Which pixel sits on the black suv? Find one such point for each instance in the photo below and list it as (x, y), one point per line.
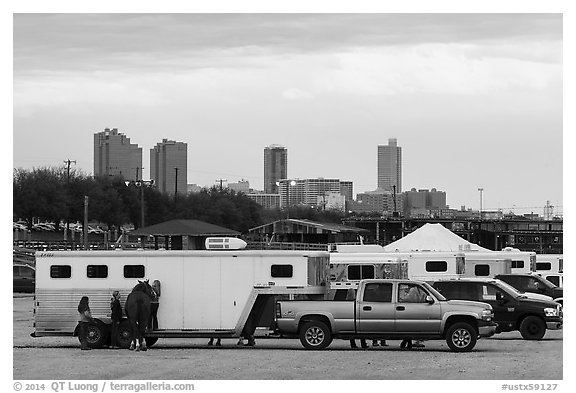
(512, 310)
(533, 283)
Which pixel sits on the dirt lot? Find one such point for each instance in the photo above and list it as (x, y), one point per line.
(502, 357)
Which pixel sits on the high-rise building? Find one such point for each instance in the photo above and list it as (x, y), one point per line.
(114, 155)
(168, 166)
(309, 191)
(390, 166)
(275, 167)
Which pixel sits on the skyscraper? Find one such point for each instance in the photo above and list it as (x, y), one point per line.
(390, 166)
(275, 167)
(168, 166)
(114, 155)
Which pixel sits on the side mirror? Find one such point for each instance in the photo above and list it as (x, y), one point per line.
(429, 299)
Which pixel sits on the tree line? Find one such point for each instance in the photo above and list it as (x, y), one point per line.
(57, 195)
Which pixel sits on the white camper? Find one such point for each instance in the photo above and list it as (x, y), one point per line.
(347, 269)
(431, 266)
(487, 264)
(204, 293)
(522, 261)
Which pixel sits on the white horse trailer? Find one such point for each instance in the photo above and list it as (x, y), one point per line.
(551, 267)
(203, 293)
(522, 261)
(487, 264)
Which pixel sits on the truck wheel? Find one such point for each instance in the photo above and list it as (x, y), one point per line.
(150, 341)
(532, 328)
(461, 337)
(315, 335)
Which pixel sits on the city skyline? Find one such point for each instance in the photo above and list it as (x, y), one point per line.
(470, 98)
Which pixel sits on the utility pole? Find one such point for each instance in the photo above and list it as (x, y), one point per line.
(175, 184)
(221, 181)
(67, 162)
(85, 222)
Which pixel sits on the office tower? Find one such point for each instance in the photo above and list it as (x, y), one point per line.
(390, 166)
(310, 192)
(114, 155)
(275, 167)
(168, 166)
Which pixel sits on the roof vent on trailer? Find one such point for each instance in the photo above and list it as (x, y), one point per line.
(224, 243)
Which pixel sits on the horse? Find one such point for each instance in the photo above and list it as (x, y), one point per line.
(137, 309)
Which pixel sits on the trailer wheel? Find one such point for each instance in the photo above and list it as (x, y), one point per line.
(532, 328)
(315, 335)
(124, 334)
(97, 333)
(150, 341)
(461, 337)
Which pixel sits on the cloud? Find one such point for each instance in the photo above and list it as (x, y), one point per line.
(296, 94)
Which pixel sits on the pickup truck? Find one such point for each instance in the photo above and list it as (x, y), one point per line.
(531, 282)
(387, 309)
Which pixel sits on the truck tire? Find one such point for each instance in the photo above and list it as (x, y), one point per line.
(532, 328)
(315, 335)
(461, 337)
(150, 341)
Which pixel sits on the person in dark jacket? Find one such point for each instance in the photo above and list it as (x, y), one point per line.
(116, 318)
(154, 304)
(85, 317)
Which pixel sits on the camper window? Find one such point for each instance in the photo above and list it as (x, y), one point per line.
(482, 270)
(281, 271)
(436, 266)
(60, 271)
(543, 266)
(97, 271)
(134, 271)
(517, 264)
(360, 272)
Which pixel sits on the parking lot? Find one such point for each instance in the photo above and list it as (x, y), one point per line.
(503, 357)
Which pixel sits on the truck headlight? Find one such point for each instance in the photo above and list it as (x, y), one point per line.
(487, 315)
(551, 312)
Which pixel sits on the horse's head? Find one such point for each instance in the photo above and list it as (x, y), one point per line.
(143, 286)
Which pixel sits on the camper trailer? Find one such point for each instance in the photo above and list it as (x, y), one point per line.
(522, 261)
(203, 293)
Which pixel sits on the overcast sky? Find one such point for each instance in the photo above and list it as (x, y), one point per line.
(474, 100)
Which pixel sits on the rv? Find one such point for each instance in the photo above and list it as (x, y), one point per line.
(226, 293)
(522, 261)
(487, 264)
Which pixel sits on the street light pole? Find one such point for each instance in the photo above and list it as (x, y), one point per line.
(175, 184)
(481, 190)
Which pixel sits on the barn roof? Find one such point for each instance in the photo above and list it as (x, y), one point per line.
(184, 228)
(322, 226)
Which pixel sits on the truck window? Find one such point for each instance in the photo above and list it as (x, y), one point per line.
(411, 293)
(360, 272)
(378, 292)
(60, 271)
(436, 266)
(482, 270)
(97, 271)
(280, 271)
(554, 280)
(517, 264)
(530, 284)
(543, 266)
(489, 292)
(134, 271)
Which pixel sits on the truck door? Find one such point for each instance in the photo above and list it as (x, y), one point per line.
(375, 310)
(413, 313)
(505, 309)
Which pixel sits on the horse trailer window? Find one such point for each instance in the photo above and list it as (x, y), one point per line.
(436, 266)
(482, 270)
(133, 271)
(60, 271)
(360, 272)
(543, 266)
(517, 264)
(281, 271)
(97, 271)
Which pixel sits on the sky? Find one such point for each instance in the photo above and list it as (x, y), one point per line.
(474, 100)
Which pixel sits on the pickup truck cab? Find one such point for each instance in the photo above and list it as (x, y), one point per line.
(512, 310)
(534, 283)
(387, 309)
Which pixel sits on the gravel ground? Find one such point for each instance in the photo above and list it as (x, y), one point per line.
(503, 357)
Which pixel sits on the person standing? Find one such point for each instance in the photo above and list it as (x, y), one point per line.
(85, 317)
(154, 304)
(116, 318)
